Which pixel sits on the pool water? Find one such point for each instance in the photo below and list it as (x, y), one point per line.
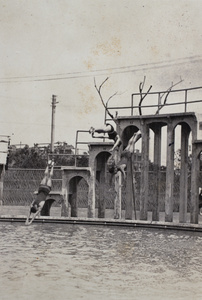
(63, 261)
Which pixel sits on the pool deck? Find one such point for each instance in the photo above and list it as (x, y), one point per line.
(19, 216)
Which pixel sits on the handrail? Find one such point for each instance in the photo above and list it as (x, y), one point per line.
(76, 144)
(132, 107)
(171, 91)
(153, 105)
(81, 143)
(185, 102)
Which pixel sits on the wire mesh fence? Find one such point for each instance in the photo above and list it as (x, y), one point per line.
(20, 185)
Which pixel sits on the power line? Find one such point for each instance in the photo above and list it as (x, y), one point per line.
(25, 123)
(100, 72)
(107, 69)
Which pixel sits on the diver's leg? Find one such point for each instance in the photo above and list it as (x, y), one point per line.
(136, 136)
(46, 173)
(49, 179)
(130, 144)
(45, 178)
(103, 129)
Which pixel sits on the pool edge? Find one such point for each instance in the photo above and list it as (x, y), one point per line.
(107, 222)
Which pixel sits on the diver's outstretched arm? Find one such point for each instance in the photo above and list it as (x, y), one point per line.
(29, 214)
(117, 144)
(27, 220)
(33, 217)
(35, 214)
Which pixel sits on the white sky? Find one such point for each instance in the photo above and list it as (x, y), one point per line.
(57, 47)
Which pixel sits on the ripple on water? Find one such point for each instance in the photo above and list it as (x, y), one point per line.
(89, 262)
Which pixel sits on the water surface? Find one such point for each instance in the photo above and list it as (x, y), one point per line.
(64, 261)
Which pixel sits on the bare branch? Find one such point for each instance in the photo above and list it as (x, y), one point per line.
(105, 104)
(141, 86)
(103, 83)
(166, 96)
(98, 90)
(112, 96)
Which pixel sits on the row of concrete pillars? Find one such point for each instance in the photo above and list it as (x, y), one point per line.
(97, 170)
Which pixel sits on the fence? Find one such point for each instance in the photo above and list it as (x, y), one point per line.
(20, 184)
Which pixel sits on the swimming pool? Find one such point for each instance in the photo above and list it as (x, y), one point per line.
(64, 261)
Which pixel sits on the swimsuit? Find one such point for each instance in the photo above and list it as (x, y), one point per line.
(43, 192)
(112, 134)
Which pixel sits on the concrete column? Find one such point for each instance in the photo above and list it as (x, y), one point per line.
(73, 197)
(169, 174)
(94, 150)
(65, 192)
(184, 173)
(118, 189)
(91, 193)
(101, 200)
(117, 200)
(157, 164)
(129, 191)
(144, 173)
(194, 209)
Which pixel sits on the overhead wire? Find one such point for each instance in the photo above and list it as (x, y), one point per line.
(106, 69)
(100, 72)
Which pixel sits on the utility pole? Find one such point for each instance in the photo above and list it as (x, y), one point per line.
(53, 122)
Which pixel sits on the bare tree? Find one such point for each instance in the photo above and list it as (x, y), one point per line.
(98, 89)
(142, 95)
(165, 96)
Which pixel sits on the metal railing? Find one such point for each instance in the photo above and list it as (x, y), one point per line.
(78, 143)
(157, 103)
(131, 107)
